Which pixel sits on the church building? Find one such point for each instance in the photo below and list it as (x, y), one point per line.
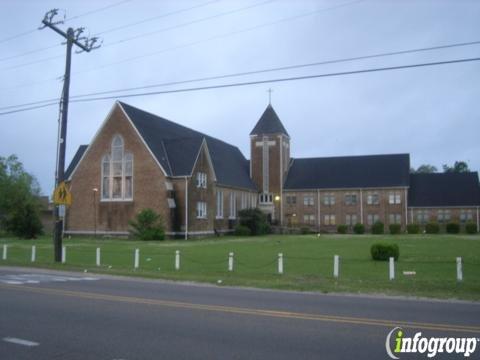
(198, 183)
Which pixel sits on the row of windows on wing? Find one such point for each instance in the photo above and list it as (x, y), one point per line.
(443, 216)
(246, 201)
(351, 219)
(349, 199)
(117, 172)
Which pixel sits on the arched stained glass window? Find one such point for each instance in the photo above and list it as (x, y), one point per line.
(117, 172)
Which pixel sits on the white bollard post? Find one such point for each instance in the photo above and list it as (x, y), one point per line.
(137, 259)
(391, 273)
(177, 259)
(230, 261)
(336, 266)
(5, 249)
(459, 269)
(98, 257)
(280, 263)
(34, 251)
(64, 254)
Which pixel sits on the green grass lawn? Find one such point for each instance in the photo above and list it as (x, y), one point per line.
(308, 262)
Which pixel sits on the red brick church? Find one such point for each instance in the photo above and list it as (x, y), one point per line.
(198, 183)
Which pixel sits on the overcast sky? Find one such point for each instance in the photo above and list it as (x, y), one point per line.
(430, 112)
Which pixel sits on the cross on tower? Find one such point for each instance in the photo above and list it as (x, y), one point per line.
(270, 96)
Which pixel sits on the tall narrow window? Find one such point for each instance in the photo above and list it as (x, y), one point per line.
(219, 204)
(117, 172)
(233, 206)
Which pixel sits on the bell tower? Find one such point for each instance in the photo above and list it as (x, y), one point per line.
(269, 160)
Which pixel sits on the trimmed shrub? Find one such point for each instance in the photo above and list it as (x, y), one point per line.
(378, 228)
(413, 228)
(432, 228)
(395, 229)
(470, 228)
(342, 229)
(359, 228)
(304, 230)
(242, 230)
(384, 251)
(255, 220)
(453, 228)
(147, 225)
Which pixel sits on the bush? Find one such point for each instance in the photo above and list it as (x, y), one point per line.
(147, 225)
(305, 230)
(255, 220)
(395, 229)
(24, 221)
(342, 229)
(432, 228)
(413, 228)
(470, 228)
(453, 228)
(384, 251)
(242, 230)
(378, 228)
(359, 228)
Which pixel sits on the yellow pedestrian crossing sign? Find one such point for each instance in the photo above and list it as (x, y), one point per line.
(61, 195)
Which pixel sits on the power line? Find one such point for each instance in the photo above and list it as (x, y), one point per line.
(175, 12)
(4, 40)
(253, 72)
(225, 13)
(217, 37)
(257, 82)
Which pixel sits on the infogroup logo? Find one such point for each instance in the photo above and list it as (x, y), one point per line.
(429, 346)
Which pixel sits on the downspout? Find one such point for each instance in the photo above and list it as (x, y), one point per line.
(478, 221)
(186, 208)
(406, 208)
(318, 210)
(361, 207)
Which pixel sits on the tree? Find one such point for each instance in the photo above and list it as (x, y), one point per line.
(424, 169)
(458, 167)
(255, 220)
(19, 199)
(147, 225)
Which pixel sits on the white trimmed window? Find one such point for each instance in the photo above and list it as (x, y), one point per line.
(329, 219)
(351, 199)
(394, 198)
(219, 204)
(291, 199)
(201, 210)
(329, 199)
(243, 204)
(394, 219)
(254, 201)
(372, 219)
(266, 198)
(423, 216)
(201, 180)
(233, 206)
(466, 215)
(350, 219)
(308, 200)
(373, 199)
(117, 172)
(443, 215)
(309, 219)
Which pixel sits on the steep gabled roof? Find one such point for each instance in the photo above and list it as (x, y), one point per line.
(269, 123)
(76, 159)
(444, 189)
(349, 172)
(175, 147)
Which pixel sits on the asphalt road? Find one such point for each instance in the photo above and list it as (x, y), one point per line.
(56, 315)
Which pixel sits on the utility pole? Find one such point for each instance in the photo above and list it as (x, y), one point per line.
(73, 37)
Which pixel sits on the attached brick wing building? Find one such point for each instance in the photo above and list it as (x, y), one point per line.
(198, 183)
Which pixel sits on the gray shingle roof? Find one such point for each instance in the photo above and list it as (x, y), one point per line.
(176, 147)
(76, 159)
(349, 172)
(444, 189)
(269, 123)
